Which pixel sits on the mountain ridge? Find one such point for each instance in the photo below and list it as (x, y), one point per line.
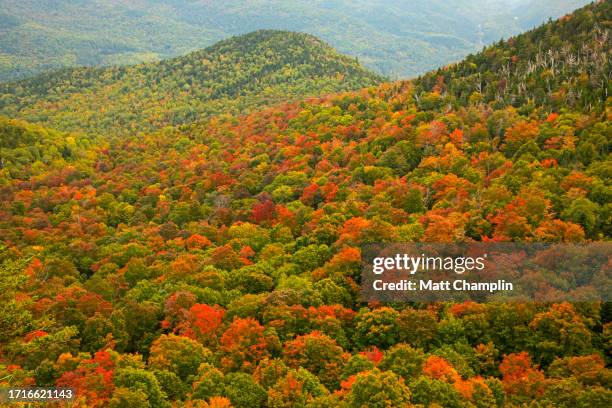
(232, 76)
(399, 38)
(543, 66)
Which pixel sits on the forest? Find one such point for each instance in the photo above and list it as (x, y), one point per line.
(233, 76)
(216, 263)
(396, 38)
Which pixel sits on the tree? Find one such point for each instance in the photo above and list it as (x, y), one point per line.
(518, 134)
(441, 229)
(520, 378)
(317, 353)
(264, 212)
(178, 354)
(417, 327)
(269, 371)
(224, 257)
(202, 323)
(584, 212)
(171, 385)
(589, 370)
(243, 391)
(244, 343)
(92, 379)
(297, 388)
(208, 383)
(44, 346)
(377, 327)
(403, 360)
(377, 388)
(177, 307)
(439, 369)
(141, 323)
(141, 380)
(356, 364)
(127, 398)
(560, 331)
(432, 392)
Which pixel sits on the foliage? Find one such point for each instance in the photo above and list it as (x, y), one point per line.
(186, 265)
(398, 40)
(235, 75)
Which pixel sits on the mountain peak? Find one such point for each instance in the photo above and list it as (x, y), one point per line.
(233, 76)
(257, 40)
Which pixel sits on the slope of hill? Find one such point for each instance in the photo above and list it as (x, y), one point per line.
(235, 75)
(219, 263)
(22, 144)
(399, 38)
(562, 64)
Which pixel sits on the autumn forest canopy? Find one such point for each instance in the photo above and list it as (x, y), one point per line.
(187, 233)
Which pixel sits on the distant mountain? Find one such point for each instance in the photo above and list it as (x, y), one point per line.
(233, 76)
(398, 38)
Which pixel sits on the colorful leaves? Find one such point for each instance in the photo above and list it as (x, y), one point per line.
(520, 377)
(244, 343)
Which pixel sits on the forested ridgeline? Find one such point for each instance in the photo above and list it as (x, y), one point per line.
(564, 64)
(240, 74)
(400, 38)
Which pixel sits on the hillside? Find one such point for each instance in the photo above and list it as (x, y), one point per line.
(26, 148)
(562, 64)
(219, 262)
(232, 76)
(399, 38)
